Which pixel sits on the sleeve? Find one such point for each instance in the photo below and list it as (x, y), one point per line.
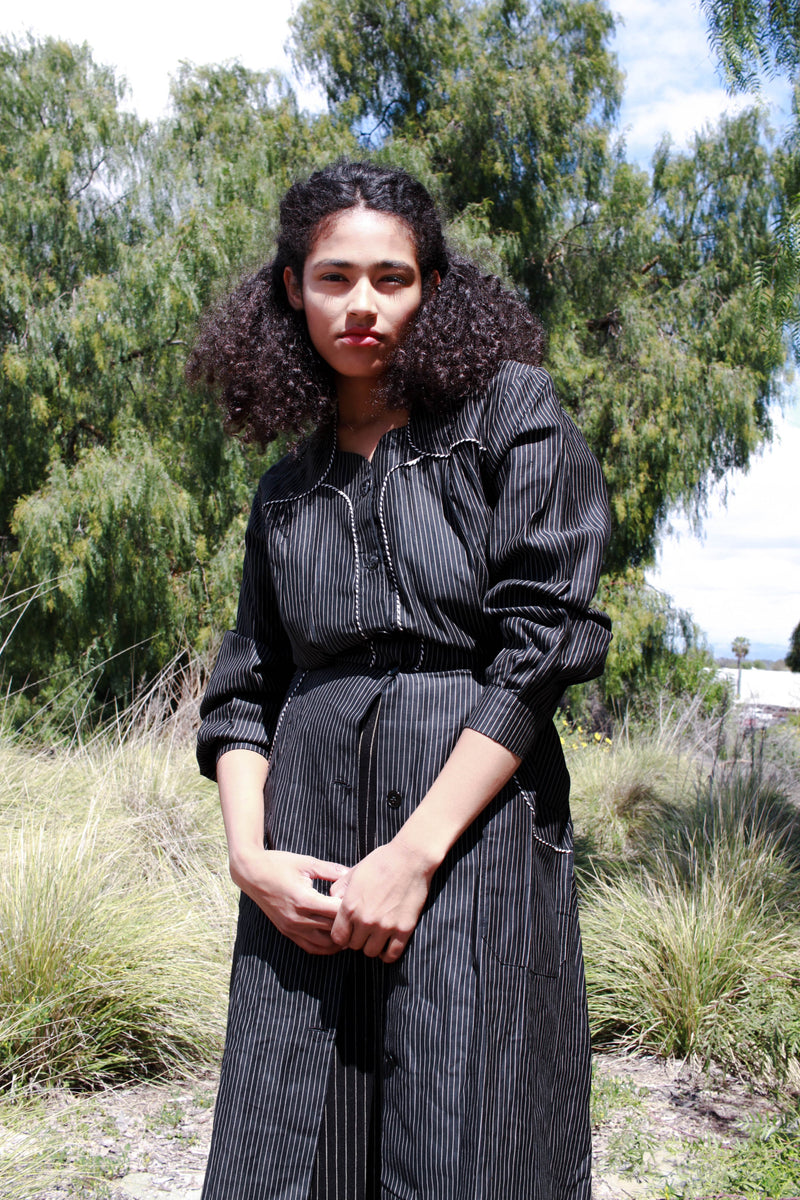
(549, 530)
(254, 666)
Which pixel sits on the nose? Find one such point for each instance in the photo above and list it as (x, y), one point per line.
(362, 299)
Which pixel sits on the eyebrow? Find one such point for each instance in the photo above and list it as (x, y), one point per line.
(386, 264)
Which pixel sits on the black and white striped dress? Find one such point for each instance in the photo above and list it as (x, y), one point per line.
(385, 606)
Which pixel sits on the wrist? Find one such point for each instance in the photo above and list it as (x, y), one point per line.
(424, 842)
(242, 856)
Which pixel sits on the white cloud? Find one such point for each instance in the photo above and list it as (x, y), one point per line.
(743, 575)
(146, 44)
(672, 82)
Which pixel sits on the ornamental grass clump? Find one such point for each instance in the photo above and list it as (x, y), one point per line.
(624, 795)
(116, 909)
(104, 974)
(693, 952)
(31, 1154)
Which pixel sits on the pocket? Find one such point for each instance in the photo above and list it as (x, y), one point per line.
(525, 887)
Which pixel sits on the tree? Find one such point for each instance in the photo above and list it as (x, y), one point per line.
(793, 654)
(757, 39)
(741, 648)
(115, 237)
(643, 284)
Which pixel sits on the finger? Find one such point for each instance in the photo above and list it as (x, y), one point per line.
(318, 907)
(321, 869)
(314, 941)
(339, 886)
(314, 920)
(375, 944)
(393, 949)
(342, 930)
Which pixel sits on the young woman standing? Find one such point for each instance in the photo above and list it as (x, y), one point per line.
(407, 1013)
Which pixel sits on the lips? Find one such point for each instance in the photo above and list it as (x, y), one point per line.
(361, 337)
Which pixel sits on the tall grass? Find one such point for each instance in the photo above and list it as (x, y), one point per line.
(692, 943)
(31, 1154)
(115, 910)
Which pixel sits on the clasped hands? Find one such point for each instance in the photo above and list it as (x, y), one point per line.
(373, 906)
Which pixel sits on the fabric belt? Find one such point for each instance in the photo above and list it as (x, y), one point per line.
(408, 655)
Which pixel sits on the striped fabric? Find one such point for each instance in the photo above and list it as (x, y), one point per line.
(445, 584)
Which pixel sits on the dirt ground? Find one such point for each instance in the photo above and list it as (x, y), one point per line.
(149, 1142)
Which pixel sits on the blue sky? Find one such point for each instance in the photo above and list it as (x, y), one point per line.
(743, 577)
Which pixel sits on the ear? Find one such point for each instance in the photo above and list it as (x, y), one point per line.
(294, 292)
(436, 279)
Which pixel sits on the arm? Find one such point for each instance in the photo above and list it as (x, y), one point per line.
(281, 884)
(240, 710)
(548, 533)
(254, 666)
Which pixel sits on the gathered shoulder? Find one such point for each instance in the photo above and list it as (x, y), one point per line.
(520, 397)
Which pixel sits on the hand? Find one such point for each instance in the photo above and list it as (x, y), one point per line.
(381, 900)
(281, 884)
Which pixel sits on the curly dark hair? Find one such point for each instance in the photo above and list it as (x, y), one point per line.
(254, 348)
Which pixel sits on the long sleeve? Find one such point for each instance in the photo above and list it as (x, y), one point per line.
(549, 530)
(254, 666)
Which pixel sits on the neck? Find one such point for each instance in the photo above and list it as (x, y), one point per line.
(363, 419)
(357, 403)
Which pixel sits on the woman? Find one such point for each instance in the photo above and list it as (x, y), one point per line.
(407, 1012)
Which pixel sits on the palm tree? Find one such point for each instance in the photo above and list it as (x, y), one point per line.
(741, 648)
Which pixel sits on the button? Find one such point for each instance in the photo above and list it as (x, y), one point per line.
(394, 799)
(366, 486)
(373, 561)
(393, 671)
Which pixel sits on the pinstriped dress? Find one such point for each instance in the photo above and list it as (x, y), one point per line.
(384, 607)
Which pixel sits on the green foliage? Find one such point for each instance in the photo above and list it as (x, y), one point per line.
(113, 539)
(757, 39)
(66, 158)
(754, 38)
(116, 236)
(31, 1156)
(657, 650)
(740, 648)
(762, 1164)
(651, 334)
(792, 659)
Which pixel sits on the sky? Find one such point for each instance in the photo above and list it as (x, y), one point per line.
(743, 577)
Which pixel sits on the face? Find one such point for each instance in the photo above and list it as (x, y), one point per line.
(361, 286)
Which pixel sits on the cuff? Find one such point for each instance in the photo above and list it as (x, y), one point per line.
(209, 756)
(506, 719)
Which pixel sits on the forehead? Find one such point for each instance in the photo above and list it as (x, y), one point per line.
(361, 235)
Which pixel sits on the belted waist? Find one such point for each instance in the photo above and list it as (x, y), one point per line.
(401, 654)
